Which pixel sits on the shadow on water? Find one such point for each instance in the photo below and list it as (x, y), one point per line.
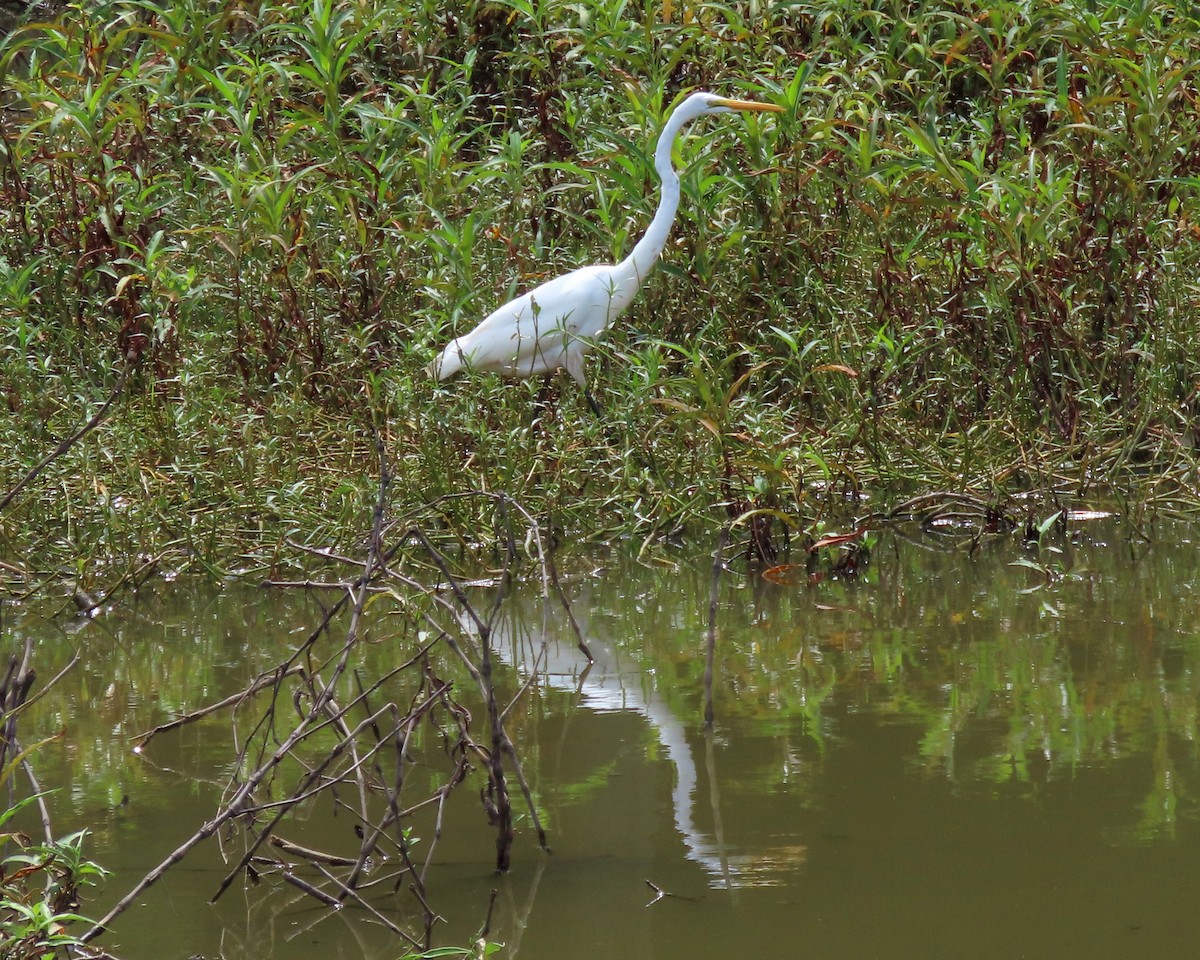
(985, 756)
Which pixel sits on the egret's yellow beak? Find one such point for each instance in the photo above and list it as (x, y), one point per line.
(750, 105)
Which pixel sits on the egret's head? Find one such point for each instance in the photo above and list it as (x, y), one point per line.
(701, 104)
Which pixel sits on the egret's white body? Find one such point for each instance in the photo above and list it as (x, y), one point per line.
(556, 323)
(546, 329)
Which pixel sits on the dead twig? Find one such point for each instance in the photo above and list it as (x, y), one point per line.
(307, 853)
(272, 679)
(660, 893)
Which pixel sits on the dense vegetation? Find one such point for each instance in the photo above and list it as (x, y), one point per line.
(962, 259)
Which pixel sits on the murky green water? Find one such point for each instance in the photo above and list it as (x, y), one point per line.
(954, 756)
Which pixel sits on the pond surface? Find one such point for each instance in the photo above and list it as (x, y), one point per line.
(959, 754)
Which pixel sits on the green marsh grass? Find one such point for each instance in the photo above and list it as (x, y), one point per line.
(963, 259)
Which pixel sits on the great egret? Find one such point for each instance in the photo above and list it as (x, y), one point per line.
(555, 324)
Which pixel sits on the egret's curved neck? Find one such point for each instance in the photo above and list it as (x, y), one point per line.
(646, 251)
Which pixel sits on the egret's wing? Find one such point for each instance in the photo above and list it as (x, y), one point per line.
(546, 328)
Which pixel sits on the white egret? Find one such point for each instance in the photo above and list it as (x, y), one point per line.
(555, 324)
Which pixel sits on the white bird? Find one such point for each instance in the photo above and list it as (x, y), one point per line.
(556, 323)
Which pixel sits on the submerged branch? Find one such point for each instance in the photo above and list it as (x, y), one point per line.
(344, 735)
(272, 679)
